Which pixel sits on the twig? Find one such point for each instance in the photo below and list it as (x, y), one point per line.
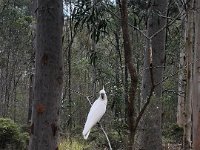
(146, 36)
(106, 136)
(154, 85)
(89, 100)
(143, 108)
(170, 23)
(179, 93)
(115, 15)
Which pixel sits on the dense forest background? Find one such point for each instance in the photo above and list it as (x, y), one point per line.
(144, 52)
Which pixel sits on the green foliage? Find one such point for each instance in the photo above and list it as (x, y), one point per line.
(15, 50)
(173, 134)
(97, 140)
(98, 19)
(10, 134)
(93, 16)
(74, 144)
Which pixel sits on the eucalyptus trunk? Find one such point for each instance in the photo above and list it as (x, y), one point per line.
(189, 36)
(133, 75)
(30, 99)
(48, 77)
(196, 84)
(32, 62)
(181, 81)
(149, 133)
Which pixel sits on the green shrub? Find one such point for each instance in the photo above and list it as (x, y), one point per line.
(173, 134)
(74, 144)
(11, 136)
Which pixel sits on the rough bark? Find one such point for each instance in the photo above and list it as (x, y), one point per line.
(117, 102)
(93, 56)
(48, 77)
(196, 84)
(7, 86)
(70, 78)
(132, 72)
(32, 58)
(30, 99)
(1, 93)
(196, 137)
(187, 125)
(118, 69)
(181, 83)
(150, 125)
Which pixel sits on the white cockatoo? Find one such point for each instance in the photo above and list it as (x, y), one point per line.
(96, 112)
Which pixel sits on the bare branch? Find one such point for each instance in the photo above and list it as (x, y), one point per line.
(151, 91)
(170, 23)
(115, 15)
(146, 36)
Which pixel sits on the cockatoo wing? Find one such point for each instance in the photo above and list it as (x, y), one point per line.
(96, 112)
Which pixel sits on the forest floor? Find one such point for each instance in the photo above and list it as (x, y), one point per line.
(169, 146)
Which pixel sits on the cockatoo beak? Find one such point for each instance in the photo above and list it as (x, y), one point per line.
(102, 95)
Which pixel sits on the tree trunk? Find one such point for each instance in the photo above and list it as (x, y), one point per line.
(70, 77)
(32, 58)
(30, 99)
(93, 55)
(7, 83)
(48, 77)
(196, 84)
(149, 133)
(181, 82)
(117, 102)
(187, 125)
(196, 136)
(132, 71)
(1, 93)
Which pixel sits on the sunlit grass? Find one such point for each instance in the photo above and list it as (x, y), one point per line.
(66, 144)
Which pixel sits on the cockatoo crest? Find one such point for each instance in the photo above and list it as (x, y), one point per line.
(96, 112)
(102, 94)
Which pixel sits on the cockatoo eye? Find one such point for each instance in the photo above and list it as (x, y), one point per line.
(102, 95)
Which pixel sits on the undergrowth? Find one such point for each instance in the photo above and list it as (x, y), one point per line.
(73, 144)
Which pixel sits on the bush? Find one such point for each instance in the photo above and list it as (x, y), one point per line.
(11, 136)
(173, 134)
(74, 144)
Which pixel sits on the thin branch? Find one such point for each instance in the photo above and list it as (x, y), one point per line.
(179, 93)
(148, 99)
(166, 78)
(115, 15)
(144, 107)
(106, 136)
(146, 36)
(6, 4)
(89, 100)
(170, 23)
(179, 8)
(151, 92)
